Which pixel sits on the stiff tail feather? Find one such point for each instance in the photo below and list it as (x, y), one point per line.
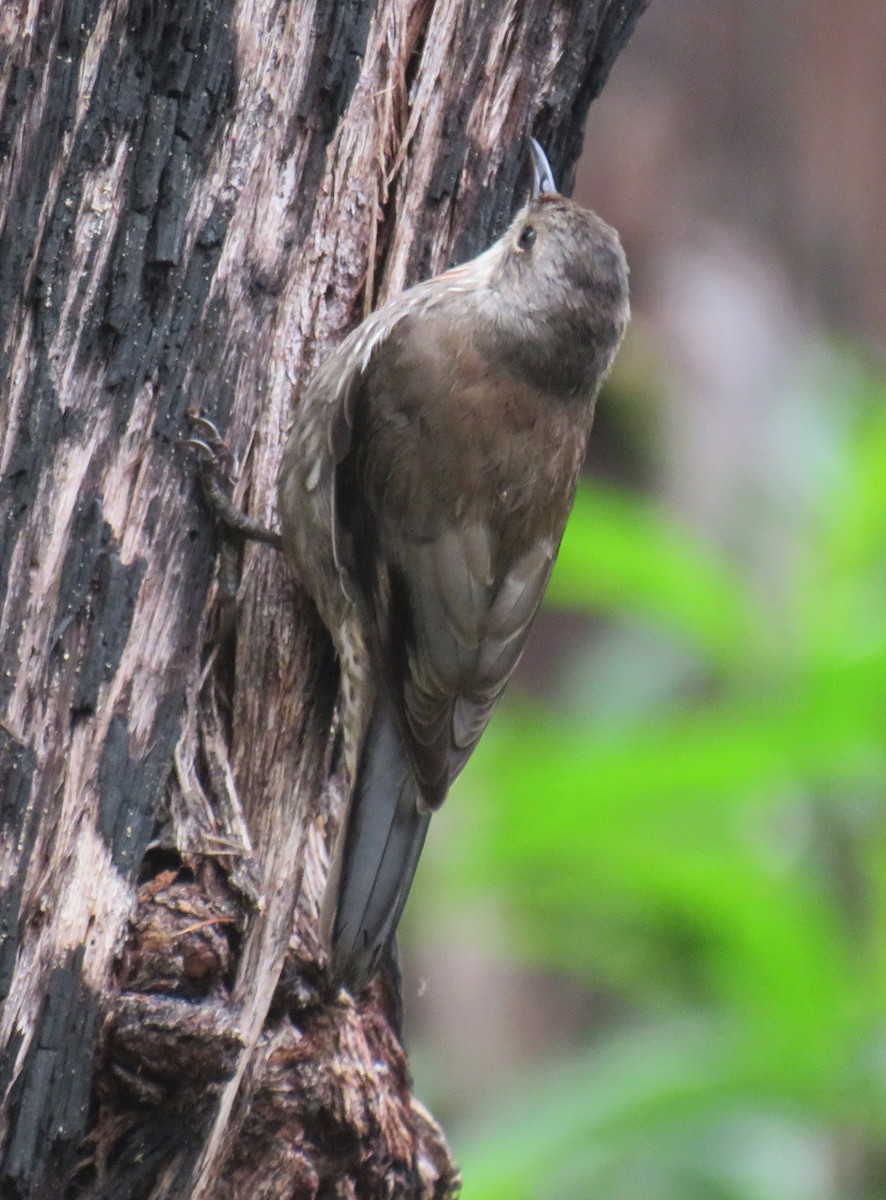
(377, 855)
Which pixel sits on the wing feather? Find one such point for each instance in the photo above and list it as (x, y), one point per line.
(447, 589)
(466, 637)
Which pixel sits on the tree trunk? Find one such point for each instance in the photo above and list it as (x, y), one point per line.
(197, 200)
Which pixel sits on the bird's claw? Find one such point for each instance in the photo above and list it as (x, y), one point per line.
(217, 473)
(208, 428)
(205, 451)
(215, 454)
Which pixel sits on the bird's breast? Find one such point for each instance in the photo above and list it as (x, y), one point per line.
(450, 436)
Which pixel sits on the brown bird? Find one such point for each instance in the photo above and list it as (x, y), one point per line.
(423, 493)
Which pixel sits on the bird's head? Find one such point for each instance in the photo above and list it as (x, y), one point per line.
(558, 287)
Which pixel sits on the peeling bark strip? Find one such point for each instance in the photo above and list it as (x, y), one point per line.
(196, 200)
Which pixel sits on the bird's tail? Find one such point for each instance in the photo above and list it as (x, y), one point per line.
(377, 854)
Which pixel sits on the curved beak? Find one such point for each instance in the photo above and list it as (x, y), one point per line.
(542, 175)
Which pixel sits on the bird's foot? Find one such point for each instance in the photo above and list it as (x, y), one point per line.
(217, 475)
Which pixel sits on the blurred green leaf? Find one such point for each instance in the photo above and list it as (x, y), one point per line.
(841, 590)
(659, 1111)
(620, 553)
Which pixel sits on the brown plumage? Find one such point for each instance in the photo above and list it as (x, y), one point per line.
(423, 494)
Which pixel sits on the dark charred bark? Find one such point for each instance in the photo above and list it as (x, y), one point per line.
(196, 200)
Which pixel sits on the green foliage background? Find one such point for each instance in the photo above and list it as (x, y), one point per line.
(698, 827)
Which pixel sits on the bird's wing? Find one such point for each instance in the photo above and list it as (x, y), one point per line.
(465, 631)
(447, 598)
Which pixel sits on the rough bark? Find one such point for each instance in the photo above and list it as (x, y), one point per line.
(196, 200)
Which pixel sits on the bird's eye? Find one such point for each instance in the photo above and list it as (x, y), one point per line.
(526, 240)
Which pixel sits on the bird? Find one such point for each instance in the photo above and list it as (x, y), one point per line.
(422, 495)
